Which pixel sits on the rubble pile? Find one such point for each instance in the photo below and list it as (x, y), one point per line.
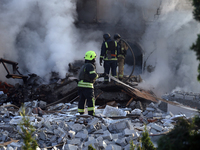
(186, 98)
(122, 113)
(35, 89)
(61, 127)
(65, 90)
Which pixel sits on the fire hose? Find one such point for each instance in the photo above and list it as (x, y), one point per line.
(132, 60)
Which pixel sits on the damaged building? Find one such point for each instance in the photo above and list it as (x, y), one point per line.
(123, 109)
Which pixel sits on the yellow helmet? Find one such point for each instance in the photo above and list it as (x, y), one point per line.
(90, 55)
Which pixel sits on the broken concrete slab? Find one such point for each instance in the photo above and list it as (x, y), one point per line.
(110, 111)
(119, 126)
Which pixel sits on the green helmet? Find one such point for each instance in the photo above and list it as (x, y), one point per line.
(90, 55)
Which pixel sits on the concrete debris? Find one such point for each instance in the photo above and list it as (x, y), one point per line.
(186, 98)
(122, 113)
(66, 130)
(110, 111)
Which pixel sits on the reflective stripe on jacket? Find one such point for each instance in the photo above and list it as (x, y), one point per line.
(87, 76)
(109, 50)
(85, 84)
(113, 55)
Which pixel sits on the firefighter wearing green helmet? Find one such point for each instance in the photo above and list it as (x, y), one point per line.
(87, 77)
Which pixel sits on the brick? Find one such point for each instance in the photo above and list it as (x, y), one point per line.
(121, 142)
(54, 144)
(150, 109)
(53, 138)
(42, 135)
(64, 126)
(113, 147)
(61, 130)
(163, 106)
(62, 138)
(115, 136)
(120, 126)
(178, 96)
(127, 147)
(128, 132)
(13, 144)
(10, 148)
(82, 134)
(153, 131)
(100, 138)
(156, 126)
(90, 138)
(102, 144)
(107, 135)
(99, 131)
(103, 127)
(94, 143)
(71, 134)
(110, 111)
(57, 132)
(157, 115)
(77, 127)
(47, 124)
(145, 112)
(189, 97)
(70, 147)
(94, 121)
(150, 115)
(76, 141)
(136, 111)
(91, 128)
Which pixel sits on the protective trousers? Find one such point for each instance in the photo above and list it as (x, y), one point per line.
(86, 95)
(110, 65)
(120, 68)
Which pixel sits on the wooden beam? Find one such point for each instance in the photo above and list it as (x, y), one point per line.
(129, 101)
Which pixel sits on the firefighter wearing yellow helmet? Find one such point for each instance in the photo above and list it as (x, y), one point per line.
(87, 77)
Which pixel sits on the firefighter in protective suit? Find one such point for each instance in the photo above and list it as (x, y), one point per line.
(109, 53)
(122, 46)
(87, 77)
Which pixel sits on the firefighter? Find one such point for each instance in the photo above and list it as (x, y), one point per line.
(87, 77)
(122, 46)
(109, 53)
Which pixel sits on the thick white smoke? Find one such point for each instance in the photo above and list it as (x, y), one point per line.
(170, 37)
(41, 36)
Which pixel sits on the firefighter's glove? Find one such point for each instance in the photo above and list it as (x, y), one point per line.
(100, 61)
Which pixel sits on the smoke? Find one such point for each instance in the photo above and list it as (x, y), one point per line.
(167, 41)
(41, 36)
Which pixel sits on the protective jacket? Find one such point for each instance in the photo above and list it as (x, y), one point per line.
(109, 50)
(87, 75)
(122, 46)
